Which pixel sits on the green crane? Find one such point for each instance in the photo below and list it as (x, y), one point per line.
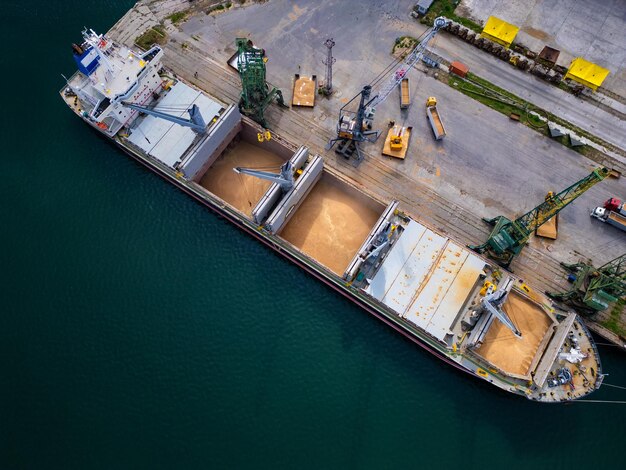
(256, 94)
(594, 289)
(509, 237)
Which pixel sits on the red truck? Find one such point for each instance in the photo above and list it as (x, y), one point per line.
(615, 205)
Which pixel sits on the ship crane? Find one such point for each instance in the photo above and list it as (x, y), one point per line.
(492, 303)
(196, 122)
(355, 127)
(284, 179)
(509, 236)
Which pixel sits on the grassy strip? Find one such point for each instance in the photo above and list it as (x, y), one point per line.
(404, 42)
(155, 35)
(446, 8)
(473, 91)
(178, 17)
(221, 7)
(613, 323)
(550, 116)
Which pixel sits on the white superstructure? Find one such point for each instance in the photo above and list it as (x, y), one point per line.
(109, 74)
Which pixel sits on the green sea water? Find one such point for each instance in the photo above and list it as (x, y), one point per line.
(139, 330)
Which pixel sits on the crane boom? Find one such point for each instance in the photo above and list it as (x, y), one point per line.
(492, 304)
(552, 205)
(195, 122)
(409, 62)
(355, 127)
(509, 237)
(285, 179)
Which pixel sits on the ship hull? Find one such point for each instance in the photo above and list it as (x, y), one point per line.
(289, 256)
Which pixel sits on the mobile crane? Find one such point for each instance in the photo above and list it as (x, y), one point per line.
(594, 289)
(256, 93)
(508, 237)
(354, 127)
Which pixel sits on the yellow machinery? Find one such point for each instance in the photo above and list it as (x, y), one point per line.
(431, 101)
(397, 141)
(264, 136)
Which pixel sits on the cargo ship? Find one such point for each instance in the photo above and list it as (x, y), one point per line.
(455, 304)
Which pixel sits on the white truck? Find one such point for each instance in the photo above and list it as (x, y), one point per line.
(610, 217)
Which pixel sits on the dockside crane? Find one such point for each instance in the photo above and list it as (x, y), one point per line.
(256, 93)
(594, 289)
(355, 126)
(508, 237)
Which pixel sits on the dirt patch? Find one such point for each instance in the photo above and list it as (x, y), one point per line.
(538, 34)
(241, 191)
(332, 223)
(503, 349)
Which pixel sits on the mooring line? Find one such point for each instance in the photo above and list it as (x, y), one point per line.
(614, 386)
(600, 401)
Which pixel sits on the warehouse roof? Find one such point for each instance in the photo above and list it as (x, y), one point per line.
(587, 73)
(500, 31)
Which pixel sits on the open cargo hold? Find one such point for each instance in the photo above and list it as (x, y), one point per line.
(243, 150)
(329, 220)
(332, 223)
(513, 355)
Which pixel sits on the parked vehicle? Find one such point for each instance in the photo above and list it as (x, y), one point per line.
(434, 118)
(615, 205)
(612, 218)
